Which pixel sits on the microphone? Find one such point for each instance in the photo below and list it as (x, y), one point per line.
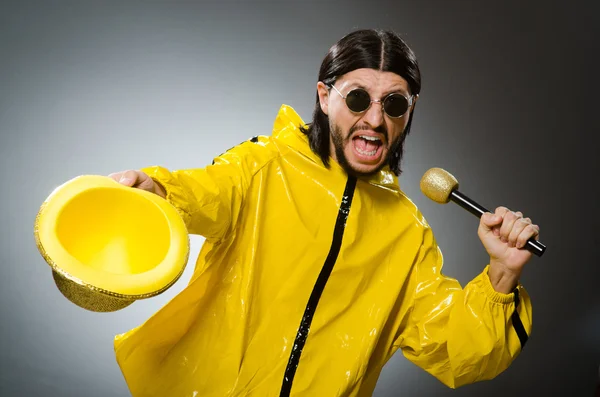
(441, 186)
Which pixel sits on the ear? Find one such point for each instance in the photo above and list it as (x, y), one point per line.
(415, 99)
(323, 93)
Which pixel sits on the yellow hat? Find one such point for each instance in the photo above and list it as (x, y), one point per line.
(109, 244)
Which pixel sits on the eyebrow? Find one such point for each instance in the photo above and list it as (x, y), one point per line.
(400, 90)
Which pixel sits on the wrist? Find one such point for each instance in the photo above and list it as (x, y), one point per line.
(503, 280)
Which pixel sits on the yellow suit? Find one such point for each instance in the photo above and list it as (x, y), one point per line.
(308, 282)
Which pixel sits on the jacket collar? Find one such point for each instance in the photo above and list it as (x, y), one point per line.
(286, 129)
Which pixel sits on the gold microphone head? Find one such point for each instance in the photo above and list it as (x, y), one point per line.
(438, 184)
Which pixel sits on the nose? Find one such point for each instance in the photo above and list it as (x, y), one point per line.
(374, 115)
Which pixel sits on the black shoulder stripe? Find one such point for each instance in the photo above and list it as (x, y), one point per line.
(254, 139)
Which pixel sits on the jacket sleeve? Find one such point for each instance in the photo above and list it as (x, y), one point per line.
(461, 336)
(209, 199)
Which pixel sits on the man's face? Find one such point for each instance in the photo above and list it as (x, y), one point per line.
(361, 142)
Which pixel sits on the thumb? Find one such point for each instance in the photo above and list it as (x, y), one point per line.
(488, 221)
(129, 178)
(144, 182)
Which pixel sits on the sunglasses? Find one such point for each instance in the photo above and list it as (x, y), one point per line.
(358, 100)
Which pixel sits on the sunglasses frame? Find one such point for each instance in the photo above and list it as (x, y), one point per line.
(410, 101)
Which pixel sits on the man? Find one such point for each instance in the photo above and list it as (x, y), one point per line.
(316, 267)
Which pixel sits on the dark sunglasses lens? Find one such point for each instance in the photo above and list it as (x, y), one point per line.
(395, 105)
(358, 100)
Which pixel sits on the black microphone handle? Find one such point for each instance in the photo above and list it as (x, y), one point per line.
(532, 245)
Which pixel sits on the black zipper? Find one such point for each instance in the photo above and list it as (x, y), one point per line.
(311, 306)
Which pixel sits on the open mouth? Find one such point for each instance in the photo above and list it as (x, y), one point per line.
(367, 148)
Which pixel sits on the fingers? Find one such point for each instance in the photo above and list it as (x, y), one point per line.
(514, 229)
(127, 178)
(508, 223)
(528, 232)
(499, 215)
(134, 178)
(518, 226)
(116, 176)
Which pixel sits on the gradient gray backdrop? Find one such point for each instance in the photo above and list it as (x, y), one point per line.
(508, 96)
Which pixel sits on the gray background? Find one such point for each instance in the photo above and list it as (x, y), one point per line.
(509, 91)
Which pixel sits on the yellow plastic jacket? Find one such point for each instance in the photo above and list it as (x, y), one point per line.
(308, 281)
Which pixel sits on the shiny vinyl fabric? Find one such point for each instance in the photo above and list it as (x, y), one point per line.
(308, 282)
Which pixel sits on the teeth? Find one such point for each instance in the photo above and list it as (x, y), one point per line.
(370, 138)
(371, 153)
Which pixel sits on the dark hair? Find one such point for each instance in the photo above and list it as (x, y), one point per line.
(373, 49)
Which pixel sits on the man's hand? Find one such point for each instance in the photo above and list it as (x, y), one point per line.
(139, 180)
(504, 235)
